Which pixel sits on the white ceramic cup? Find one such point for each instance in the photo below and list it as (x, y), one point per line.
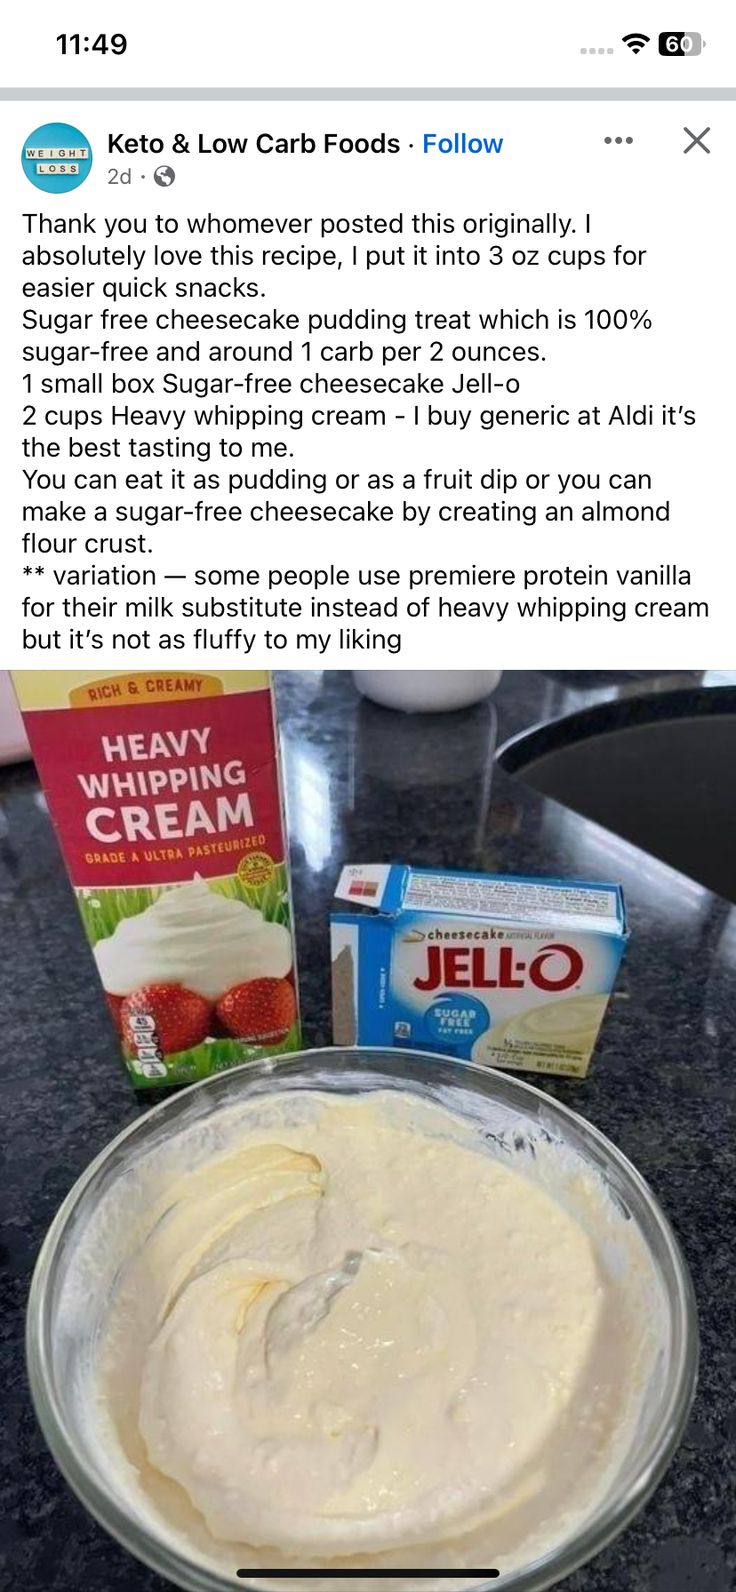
(426, 690)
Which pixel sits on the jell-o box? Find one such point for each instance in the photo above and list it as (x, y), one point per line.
(505, 972)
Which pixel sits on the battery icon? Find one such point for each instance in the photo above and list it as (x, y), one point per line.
(676, 43)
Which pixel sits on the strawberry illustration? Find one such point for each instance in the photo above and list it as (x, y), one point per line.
(179, 1018)
(262, 1010)
(115, 1003)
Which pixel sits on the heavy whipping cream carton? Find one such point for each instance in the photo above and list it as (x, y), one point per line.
(165, 793)
(502, 971)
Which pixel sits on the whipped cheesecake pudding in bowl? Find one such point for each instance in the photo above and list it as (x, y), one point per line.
(354, 1312)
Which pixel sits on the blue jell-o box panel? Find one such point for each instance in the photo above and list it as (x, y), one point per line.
(502, 971)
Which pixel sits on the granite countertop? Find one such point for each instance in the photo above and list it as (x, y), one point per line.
(364, 784)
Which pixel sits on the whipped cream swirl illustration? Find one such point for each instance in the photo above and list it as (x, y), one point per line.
(197, 937)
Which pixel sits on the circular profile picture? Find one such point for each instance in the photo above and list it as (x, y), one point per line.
(56, 158)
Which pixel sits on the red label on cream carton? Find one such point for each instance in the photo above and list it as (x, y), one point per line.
(505, 972)
(166, 797)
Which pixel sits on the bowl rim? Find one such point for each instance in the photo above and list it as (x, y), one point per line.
(161, 1554)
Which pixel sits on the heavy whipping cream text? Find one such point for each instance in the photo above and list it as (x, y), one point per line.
(156, 819)
(504, 972)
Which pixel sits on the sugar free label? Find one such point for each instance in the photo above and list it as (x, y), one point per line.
(457, 1020)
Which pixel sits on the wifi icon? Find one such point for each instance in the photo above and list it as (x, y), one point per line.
(635, 41)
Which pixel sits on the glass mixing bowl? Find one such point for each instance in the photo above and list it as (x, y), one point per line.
(518, 1120)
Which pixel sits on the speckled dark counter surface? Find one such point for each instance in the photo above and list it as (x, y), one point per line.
(365, 785)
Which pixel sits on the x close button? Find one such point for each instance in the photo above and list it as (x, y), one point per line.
(696, 141)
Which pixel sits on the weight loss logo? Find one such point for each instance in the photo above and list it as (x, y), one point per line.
(56, 158)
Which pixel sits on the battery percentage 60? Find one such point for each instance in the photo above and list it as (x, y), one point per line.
(675, 43)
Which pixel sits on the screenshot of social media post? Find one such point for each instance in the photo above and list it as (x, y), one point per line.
(313, 383)
(367, 759)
